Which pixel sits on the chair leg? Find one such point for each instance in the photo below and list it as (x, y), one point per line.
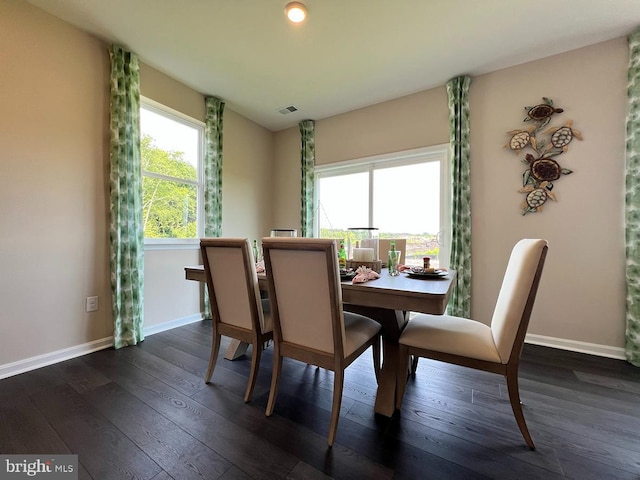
(516, 405)
(275, 381)
(338, 385)
(403, 366)
(414, 364)
(253, 374)
(376, 358)
(215, 348)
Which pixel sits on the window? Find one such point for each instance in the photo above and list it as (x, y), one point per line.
(171, 156)
(404, 195)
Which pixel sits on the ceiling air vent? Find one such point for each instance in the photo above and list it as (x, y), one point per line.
(289, 109)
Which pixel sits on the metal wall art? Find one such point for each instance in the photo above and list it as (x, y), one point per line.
(542, 167)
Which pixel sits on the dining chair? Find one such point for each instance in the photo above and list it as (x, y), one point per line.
(384, 245)
(492, 348)
(236, 307)
(309, 323)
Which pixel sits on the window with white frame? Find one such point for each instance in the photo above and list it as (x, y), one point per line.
(172, 189)
(404, 194)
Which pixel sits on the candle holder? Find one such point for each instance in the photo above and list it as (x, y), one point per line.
(363, 248)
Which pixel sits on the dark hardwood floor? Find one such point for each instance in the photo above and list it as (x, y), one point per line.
(145, 412)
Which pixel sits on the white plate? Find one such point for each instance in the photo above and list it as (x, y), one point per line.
(436, 274)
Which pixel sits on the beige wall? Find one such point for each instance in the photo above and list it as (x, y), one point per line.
(54, 167)
(54, 151)
(582, 294)
(406, 123)
(53, 184)
(246, 198)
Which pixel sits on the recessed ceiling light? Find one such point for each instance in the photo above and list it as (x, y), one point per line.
(296, 12)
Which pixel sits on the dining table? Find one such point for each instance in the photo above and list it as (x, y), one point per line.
(389, 300)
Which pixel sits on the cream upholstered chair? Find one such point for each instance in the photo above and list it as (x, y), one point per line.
(309, 324)
(495, 348)
(384, 245)
(236, 307)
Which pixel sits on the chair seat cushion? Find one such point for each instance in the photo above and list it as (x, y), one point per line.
(448, 334)
(358, 331)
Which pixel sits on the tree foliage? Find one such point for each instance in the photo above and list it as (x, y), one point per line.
(169, 207)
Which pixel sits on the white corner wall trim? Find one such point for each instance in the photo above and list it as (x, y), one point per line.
(28, 364)
(576, 346)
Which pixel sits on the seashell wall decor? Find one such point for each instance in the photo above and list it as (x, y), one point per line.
(542, 166)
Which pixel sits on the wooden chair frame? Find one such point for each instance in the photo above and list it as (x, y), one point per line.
(254, 336)
(336, 361)
(509, 370)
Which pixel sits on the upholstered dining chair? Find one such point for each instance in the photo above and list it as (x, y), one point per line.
(384, 245)
(236, 307)
(493, 348)
(309, 323)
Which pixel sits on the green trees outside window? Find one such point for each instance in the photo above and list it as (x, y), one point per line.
(169, 193)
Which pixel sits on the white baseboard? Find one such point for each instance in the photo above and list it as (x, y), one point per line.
(179, 322)
(576, 346)
(28, 364)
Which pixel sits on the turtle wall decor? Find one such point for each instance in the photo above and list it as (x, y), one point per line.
(542, 166)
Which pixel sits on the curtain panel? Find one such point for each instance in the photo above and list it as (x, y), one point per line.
(125, 190)
(214, 109)
(632, 204)
(460, 260)
(307, 160)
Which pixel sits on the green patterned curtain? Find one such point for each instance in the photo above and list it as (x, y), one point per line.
(125, 187)
(460, 260)
(214, 108)
(632, 204)
(307, 160)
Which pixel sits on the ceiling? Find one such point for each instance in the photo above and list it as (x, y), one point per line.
(348, 54)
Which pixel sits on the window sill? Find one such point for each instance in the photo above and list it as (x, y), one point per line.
(172, 244)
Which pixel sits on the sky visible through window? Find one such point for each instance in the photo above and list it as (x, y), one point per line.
(406, 199)
(170, 135)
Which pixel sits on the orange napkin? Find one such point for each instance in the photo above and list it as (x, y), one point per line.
(364, 274)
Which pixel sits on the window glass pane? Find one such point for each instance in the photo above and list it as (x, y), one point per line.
(169, 208)
(169, 147)
(406, 204)
(343, 202)
(170, 156)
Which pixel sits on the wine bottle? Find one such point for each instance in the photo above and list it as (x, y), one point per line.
(256, 251)
(342, 257)
(393, 260)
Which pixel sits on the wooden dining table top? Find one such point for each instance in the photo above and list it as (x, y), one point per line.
(401, 292)
(388, 300)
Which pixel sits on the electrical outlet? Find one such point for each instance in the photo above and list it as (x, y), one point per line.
(91, 304)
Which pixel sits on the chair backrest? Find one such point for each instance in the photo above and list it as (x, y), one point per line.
(232, 282)
(305, 292)
(517, 294)
(384, 245)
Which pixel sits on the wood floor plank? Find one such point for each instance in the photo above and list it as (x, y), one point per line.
(159, 368)
(79, 376)
(253, 455)
(195, 348)
(177, 452)
(145, 412)
(295, 437)
(24, 430)
(104, 450)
